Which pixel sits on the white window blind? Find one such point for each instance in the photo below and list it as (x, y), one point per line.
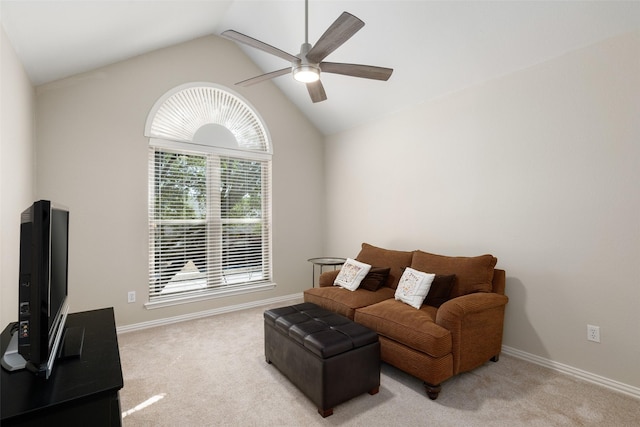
(209, 196)
(209, 218)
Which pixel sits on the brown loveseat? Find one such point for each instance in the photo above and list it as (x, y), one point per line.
(458, 327)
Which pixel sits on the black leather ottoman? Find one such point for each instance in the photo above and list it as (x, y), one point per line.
(330, 358)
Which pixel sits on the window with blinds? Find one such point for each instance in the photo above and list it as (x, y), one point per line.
(209, 196)
(209, 224)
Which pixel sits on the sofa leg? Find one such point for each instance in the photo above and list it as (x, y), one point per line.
(432, 390)
(495, 358)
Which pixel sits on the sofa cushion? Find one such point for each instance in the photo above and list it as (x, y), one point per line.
(440, 290)
(345, 302)
(402, 323)
(473, 274)
(351, 274)
(413, 287)
(375, 278)
(395, 260)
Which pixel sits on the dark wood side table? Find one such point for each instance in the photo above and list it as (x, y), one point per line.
(322, 261)
(80, 391)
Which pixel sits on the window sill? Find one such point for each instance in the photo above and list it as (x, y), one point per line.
(169, 301)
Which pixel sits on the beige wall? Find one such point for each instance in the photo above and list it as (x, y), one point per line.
(92, 157)
(540, 168)
(17, 183)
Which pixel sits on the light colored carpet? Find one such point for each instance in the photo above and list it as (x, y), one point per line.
(212, 372)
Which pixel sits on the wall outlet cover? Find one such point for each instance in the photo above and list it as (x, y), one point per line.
(593, 333)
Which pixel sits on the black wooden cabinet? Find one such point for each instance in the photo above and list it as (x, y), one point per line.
(80, 391)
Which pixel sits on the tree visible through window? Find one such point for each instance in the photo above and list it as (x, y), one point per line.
(209, 217)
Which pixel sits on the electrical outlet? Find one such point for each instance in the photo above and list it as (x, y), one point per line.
(131, 296)
(593, 333)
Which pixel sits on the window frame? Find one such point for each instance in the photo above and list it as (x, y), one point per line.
(212, 152)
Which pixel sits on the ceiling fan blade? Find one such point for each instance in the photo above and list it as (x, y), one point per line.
(357, 70)
(250, 41)
(316, 91)
(339, 32)
(264, 77)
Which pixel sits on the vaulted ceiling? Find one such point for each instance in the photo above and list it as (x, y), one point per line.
(434, 47)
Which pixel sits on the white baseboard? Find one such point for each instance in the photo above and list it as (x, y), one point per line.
(207, 313)
(574, 372)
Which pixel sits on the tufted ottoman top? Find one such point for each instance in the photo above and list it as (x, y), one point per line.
(321, 331)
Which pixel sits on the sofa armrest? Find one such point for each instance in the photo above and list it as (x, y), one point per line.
(327, 278)
(476, 324)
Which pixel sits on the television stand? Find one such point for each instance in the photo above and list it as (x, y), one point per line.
(11, 359)
(82, 386)
(72, 342)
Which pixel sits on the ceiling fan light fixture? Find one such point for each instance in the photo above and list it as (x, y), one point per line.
(306, 73)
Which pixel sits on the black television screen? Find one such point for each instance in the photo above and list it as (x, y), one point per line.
(43, 284)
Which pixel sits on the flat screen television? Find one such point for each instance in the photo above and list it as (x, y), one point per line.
(43, 285)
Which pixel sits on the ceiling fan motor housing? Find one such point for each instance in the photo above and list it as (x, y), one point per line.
(303, 70)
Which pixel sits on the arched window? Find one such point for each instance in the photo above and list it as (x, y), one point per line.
(209, 196)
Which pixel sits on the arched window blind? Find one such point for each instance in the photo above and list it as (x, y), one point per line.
(209, 196)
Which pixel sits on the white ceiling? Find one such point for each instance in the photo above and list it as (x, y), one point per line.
(435, 47)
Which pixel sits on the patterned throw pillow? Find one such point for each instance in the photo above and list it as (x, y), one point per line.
(413, 287)
(351, 274)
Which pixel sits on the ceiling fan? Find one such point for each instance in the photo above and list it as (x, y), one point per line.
(308, 64)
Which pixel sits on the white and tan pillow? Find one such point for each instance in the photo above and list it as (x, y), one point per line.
(351, 274)
(413, 287)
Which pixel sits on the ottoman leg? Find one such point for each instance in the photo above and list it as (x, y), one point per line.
(325, 412)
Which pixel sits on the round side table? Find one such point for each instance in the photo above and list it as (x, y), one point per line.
(322, 261)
